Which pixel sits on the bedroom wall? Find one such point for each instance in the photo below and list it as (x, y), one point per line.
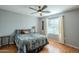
(71, 27)
(10, 21)
(40, 26)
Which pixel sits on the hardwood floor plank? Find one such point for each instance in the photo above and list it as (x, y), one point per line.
(52, 47)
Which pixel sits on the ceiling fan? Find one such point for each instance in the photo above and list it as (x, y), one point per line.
(40, 10)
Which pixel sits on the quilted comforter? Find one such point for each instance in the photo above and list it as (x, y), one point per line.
(29, 42)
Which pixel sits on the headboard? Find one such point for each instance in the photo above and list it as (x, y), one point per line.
(23, 31)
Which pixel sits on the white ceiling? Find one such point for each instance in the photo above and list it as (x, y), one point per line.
(24, 9)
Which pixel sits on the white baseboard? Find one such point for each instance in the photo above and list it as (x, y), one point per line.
(72, 45)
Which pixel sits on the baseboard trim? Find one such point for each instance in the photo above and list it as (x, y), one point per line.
(71, 45)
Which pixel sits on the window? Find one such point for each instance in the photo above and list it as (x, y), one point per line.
(42, 25)
(53, 26)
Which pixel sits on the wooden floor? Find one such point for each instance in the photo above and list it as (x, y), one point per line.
(52, 47)
(55, 47)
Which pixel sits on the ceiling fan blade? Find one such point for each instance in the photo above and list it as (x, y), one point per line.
(32, 8)
(33, 12)
(46, 11)
(44, 7)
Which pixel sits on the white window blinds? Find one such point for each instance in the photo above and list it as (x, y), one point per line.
(53, 26)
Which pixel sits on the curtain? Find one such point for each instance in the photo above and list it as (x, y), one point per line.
(61, 29)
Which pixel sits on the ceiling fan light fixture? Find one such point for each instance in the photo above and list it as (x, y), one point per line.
(39, 12)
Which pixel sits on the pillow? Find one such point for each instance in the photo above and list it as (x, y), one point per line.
(26, 32)
(23, 31)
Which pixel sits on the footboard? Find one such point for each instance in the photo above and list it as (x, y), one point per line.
(36, 49)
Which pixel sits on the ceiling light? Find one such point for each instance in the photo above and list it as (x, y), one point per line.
(40, 13)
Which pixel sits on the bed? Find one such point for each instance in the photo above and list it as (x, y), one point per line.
(28, 42)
